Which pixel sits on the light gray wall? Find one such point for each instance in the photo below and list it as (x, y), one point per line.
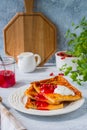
(61, 12)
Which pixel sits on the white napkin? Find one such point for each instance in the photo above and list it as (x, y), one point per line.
(8, 121)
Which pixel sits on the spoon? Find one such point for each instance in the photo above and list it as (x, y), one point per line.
(2, 62)
(0, 99)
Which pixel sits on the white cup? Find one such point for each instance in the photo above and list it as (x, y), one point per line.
(68, 60)
(27, 61)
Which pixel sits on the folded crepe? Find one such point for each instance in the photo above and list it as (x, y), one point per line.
(42, 95)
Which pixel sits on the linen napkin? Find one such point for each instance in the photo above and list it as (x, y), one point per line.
(8, 121)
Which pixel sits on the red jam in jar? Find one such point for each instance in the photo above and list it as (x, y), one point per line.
(7, 78)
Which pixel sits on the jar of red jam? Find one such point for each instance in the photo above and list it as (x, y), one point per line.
(7, 72)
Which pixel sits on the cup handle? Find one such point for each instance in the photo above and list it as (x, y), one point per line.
(38, 59)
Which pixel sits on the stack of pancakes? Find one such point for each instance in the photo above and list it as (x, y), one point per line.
(41, 95)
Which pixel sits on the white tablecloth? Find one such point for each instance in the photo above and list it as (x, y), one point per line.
(76, 120)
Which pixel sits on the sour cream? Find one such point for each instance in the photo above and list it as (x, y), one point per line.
(63, 90)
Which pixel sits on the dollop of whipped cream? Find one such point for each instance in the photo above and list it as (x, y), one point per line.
(63, 90)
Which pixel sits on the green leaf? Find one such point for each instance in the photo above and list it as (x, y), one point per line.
(74, 35)
(74, 61)
(63, 67)
(70, 42)
(68, 70)
(79, 82)
(77, 27)
(73, 23)
(67, 33)
(74, 76)
(84, 77)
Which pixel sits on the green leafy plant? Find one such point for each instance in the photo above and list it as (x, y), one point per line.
(77, 43)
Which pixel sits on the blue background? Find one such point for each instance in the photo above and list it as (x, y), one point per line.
(61, 12)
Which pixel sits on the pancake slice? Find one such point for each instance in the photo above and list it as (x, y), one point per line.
(39, 105)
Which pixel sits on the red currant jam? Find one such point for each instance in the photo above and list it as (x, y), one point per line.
(41, 105)
(47, 88)
(61, 74)
(52, 74)
(63, 55)
(40, 97)
(7, 78)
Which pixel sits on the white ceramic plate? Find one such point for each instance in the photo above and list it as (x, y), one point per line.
(17, 101)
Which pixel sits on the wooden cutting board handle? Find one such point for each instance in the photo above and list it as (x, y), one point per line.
(29, 5)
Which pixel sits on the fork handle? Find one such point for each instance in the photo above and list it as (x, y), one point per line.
(11, 117)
